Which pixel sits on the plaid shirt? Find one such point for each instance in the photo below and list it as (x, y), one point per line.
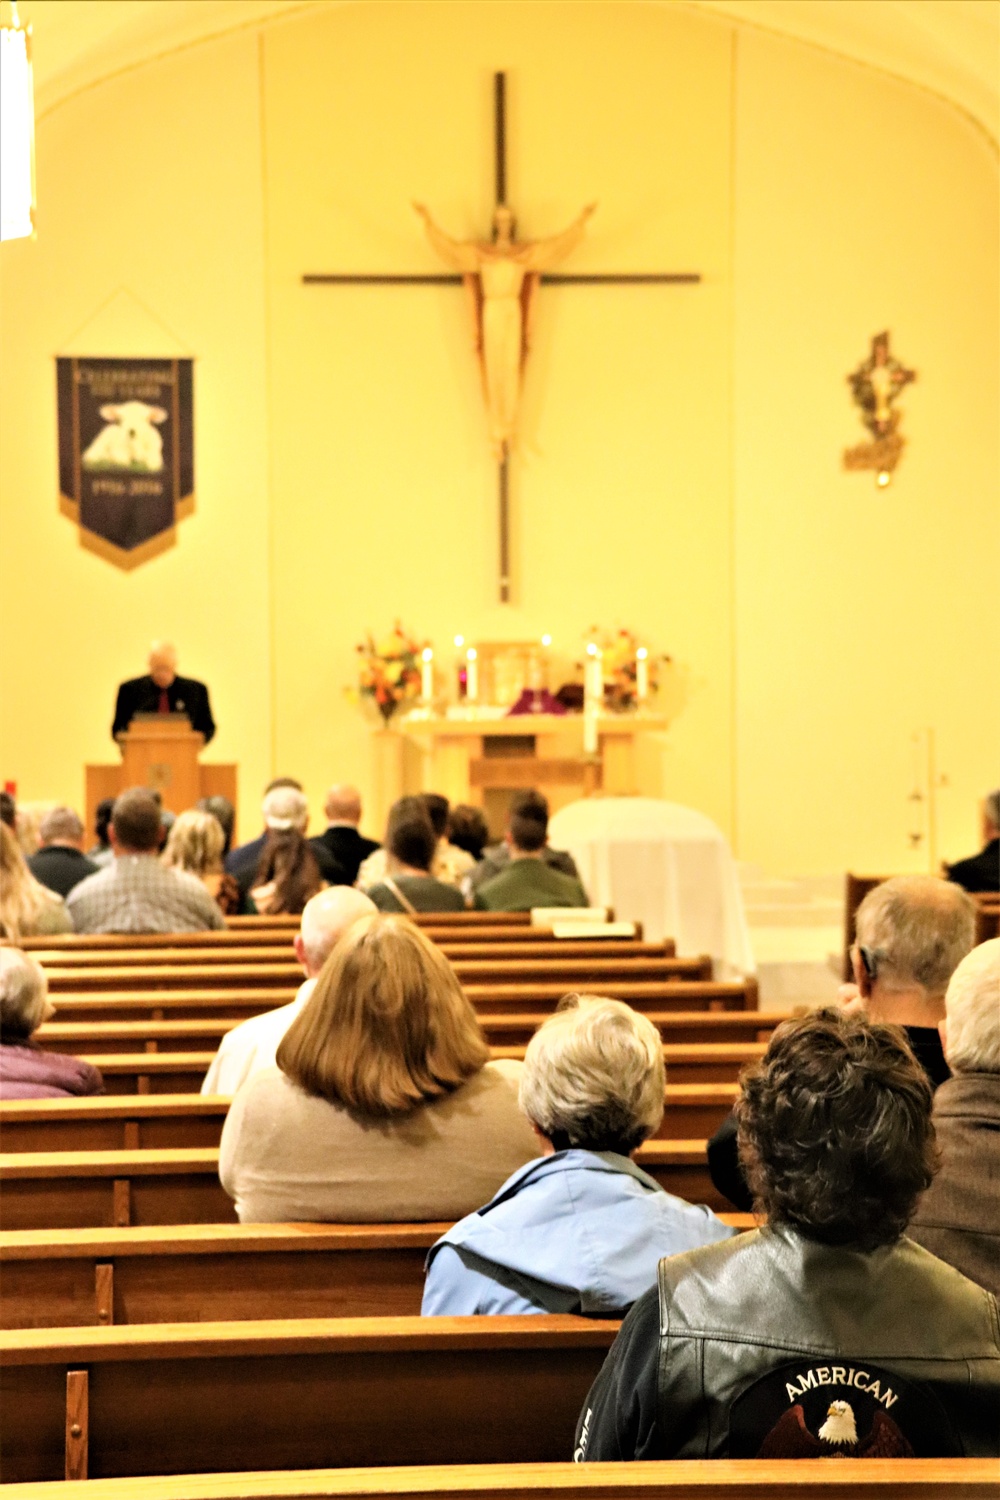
(138, 894)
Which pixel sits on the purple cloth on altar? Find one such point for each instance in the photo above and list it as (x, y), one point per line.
(536, 701)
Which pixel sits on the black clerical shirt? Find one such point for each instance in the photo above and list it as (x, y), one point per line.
(140, 695)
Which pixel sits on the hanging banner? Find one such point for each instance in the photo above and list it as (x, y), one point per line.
(126, 453)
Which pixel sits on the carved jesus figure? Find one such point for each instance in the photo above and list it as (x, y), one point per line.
(502, 275)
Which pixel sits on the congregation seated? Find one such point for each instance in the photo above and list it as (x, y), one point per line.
(582, 1228)
(60, 862)
(981, 872)
(958, 1218)
(288, 872)
(827, 1331)
(342, 841)
(449, 864)
(243, 862)
(383, 1104)
(136, 893)
(911, 934)
(528, 879)
(26, 1071)
(26, 906)
(496, 857)
(195, 843)
(101, 853)
(410, 844)
(224, 813)
(254, 1044)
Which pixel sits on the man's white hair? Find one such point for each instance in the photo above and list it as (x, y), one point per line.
(593, 1073)
(917, 930)
(24, 992)
(327, 917)
(972, 1012)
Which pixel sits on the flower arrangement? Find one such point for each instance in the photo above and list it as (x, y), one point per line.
(389, 672)
(620, 659)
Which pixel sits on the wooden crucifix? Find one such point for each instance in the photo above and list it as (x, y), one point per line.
(502, 275)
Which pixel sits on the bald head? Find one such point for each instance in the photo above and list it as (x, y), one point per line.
(343, 805)
(162, 663)
(324, 921)
(916, 930)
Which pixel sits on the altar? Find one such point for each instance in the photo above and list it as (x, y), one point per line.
(481, 758)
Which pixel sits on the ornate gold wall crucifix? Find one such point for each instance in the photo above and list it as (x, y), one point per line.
(502, 274)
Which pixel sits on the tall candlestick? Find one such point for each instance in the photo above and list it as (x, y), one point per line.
(642, 674)
(471, 675)
(590, 729)
(427, 674)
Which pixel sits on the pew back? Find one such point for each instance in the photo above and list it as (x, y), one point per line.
(192, 1398)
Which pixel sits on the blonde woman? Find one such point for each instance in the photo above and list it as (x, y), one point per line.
(26, 906)
(582, 1228)
(195, 844)
(383, 1105)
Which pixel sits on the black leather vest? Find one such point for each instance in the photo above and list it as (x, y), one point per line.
(772, 1345)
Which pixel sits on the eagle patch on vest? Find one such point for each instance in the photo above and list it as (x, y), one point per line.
(847, 1410)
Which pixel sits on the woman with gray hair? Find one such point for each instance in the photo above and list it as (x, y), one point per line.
(26, 1072)
(580, 1229)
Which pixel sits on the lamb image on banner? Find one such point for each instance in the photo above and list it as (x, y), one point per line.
(126, 452)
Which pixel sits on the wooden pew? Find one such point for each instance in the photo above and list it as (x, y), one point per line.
(68, 1278)
(533, 999)
(153, 1073)
(422, 919)
(538, 948)
(193, 1397)
(570, 971)
(721, 1479)
(205, 1032)
(165, 1121)
(95, 1189)
(266, 937)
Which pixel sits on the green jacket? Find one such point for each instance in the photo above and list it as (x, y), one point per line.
(526, 883)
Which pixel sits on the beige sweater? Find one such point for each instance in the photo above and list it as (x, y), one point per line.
(287, 1155)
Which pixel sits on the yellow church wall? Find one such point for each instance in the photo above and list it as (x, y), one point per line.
(862, 615)
(150, 241)
(384, 486)
(680, 465)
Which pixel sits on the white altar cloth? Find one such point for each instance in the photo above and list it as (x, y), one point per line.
(665, 866)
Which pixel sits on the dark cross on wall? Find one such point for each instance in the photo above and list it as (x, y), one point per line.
(472, 260)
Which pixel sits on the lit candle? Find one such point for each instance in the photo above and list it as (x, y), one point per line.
(427, 674)
(471, 675)
(642, 674)
(590, 730)
(546, 639)
(589, 691)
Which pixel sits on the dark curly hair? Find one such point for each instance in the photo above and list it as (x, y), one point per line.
(835, 1131)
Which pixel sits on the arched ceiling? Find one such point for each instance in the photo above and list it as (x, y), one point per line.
(950, 47)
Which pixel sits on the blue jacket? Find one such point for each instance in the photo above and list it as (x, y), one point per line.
(577, 1232)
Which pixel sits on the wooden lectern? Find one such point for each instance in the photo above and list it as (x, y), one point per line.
(161, 751)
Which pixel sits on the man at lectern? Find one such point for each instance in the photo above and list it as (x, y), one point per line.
(163, 692)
